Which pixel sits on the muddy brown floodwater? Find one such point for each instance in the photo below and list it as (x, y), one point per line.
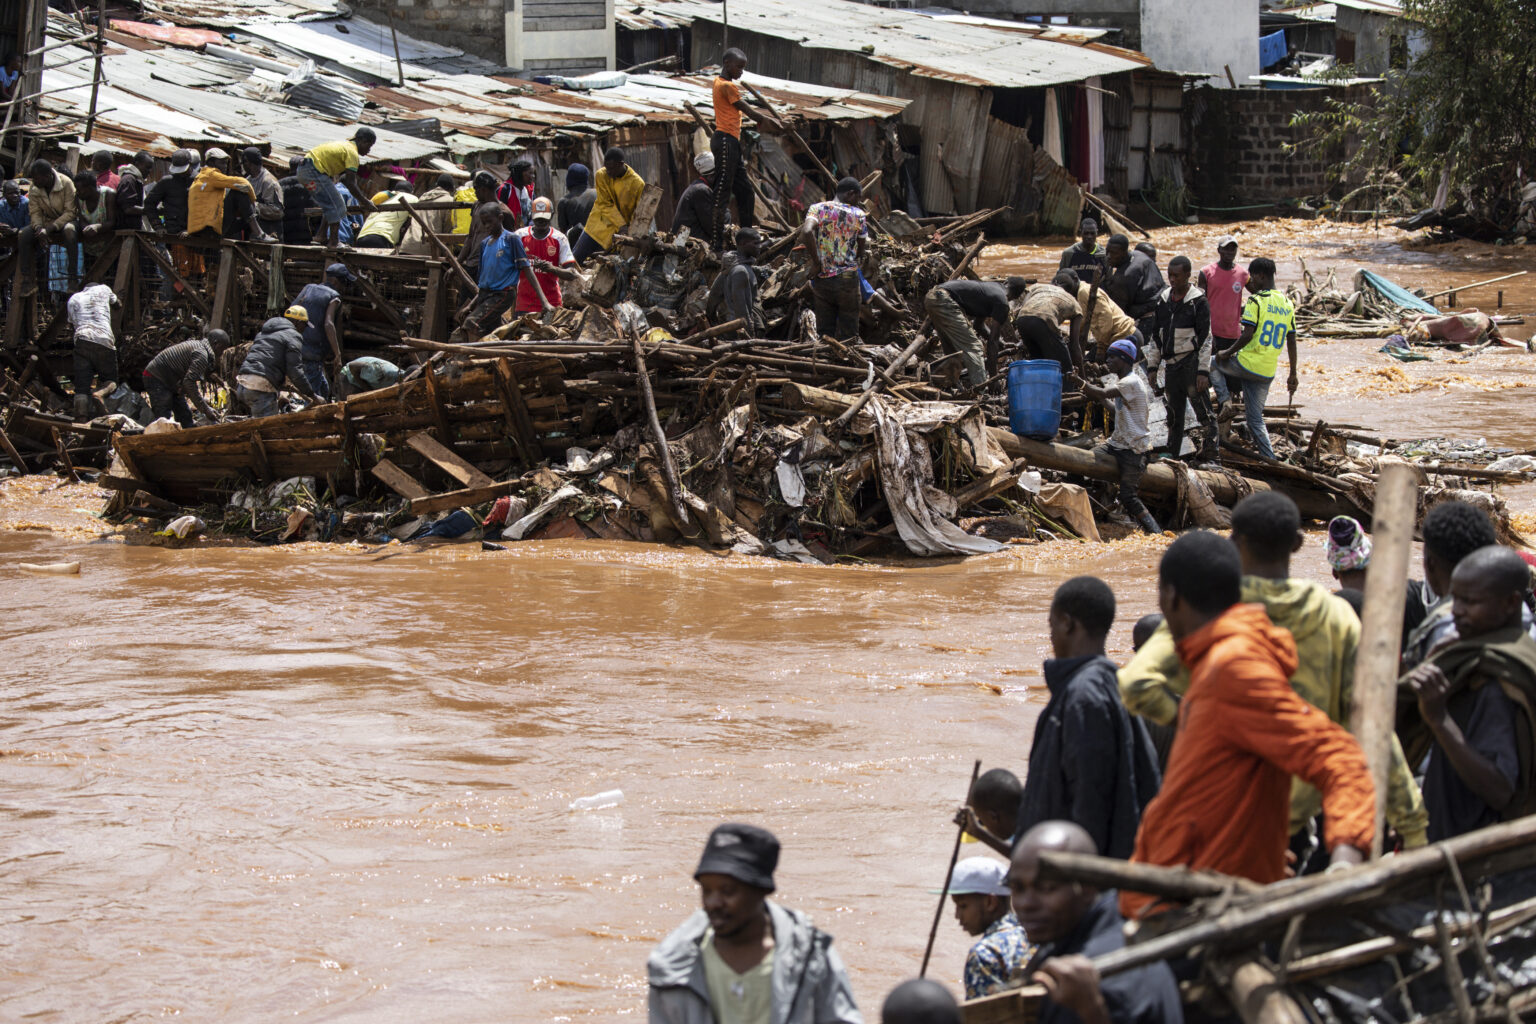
(319, 785)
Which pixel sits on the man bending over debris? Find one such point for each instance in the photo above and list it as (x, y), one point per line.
(500, 259)
(619, 190)
(322, 331)
(1072, 923)
(733, 295)
(955, 304)
(743, 958)
(173, 377)
(1266, 528)
(1131, 439)
(90, 314)
(836, 236)
(1107, 322)
(1475, 701)
(696, 206)
(276, 356)
(1242, 733)
(325, 166)
(1038, 314)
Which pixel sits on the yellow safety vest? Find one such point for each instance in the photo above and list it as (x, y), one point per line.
(1273, 319)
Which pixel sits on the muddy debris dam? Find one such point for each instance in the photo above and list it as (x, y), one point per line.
(626, 416)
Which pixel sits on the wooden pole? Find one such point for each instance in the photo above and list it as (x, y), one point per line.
(1474, 284)
(101, 44)
(938, 914)
(394, 37)
(831, 178)
(663, 452)
(1373, 710)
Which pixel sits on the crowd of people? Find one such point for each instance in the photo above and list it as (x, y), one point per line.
(1221, 745)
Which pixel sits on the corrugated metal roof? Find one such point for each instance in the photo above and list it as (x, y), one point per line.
(229, 13)
(1020, 56)
(361, 48)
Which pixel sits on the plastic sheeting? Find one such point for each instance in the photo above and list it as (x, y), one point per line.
(921, 512)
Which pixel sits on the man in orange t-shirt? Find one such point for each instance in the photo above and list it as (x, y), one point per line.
(730, 175)
(1243, 732)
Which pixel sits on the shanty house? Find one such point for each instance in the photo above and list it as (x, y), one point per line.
(1002, 113)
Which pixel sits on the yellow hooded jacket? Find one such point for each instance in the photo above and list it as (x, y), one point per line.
(1327, 635)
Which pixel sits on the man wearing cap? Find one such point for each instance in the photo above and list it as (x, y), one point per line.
(1130, 398)
(268, 193)
(1085, 255)
(696, 206)
(330, 164)
(836, 236)
(222, 203)
(165, 211)
(979, 891)
(173, 377)
(276, 356)
(725, 148)
(1225, 286)
(499, 260)
(549, 254)
(322, 330)
(743, 959)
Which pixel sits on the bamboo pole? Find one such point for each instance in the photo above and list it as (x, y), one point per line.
(1372, 716)
(101, 45)
(1475, 284)
(938, 914)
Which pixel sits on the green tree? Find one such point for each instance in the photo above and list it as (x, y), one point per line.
(1463, 113)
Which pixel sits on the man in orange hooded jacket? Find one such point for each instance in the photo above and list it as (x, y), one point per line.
(1243, 732)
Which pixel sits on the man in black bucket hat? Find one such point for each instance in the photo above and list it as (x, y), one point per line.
(743, 959)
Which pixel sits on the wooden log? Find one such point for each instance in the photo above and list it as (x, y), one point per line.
(187, 291)
(447, 461)
(441, 247)
(996, 482)
(10, 449)
(516, 411)
(1179, 884)
(459, 499)
(1373, 710)
(1157, 482)
(399, 481)
(224, 294)
(1258, 996)
(674, 486)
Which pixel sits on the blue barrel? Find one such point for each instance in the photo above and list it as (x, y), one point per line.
(1034, 398)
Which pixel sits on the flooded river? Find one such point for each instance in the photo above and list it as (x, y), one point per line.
(319, 785)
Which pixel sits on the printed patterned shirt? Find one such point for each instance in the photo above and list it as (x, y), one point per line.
(1001, 952)
(839, 227)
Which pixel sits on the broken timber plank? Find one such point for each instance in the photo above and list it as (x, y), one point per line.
(517, 414)
(439, 407)
(445, 460)
(645, 211)
(187, 291)
(224, 292)
(458, 499)
(399, 481)
(382, 304)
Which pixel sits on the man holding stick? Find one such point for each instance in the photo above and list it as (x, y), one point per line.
(730, 174)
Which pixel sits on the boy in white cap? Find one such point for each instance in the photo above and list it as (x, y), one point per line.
(1132, 438)
(742, 959)
(979, 890)
(696, 206)
(549, 254)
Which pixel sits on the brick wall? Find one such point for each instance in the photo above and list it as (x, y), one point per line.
(1240, 140)
(474, 26)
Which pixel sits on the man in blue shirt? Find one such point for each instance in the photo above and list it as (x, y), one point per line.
(499, 259)
(351, 222)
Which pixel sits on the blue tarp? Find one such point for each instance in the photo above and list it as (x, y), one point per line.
(1272, 49)
(1395, 293)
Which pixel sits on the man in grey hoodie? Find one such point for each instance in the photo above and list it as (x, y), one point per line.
(743, 959)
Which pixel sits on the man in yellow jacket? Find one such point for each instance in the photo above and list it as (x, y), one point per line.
(221, 202)
(618, 191)
(1266, 527)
